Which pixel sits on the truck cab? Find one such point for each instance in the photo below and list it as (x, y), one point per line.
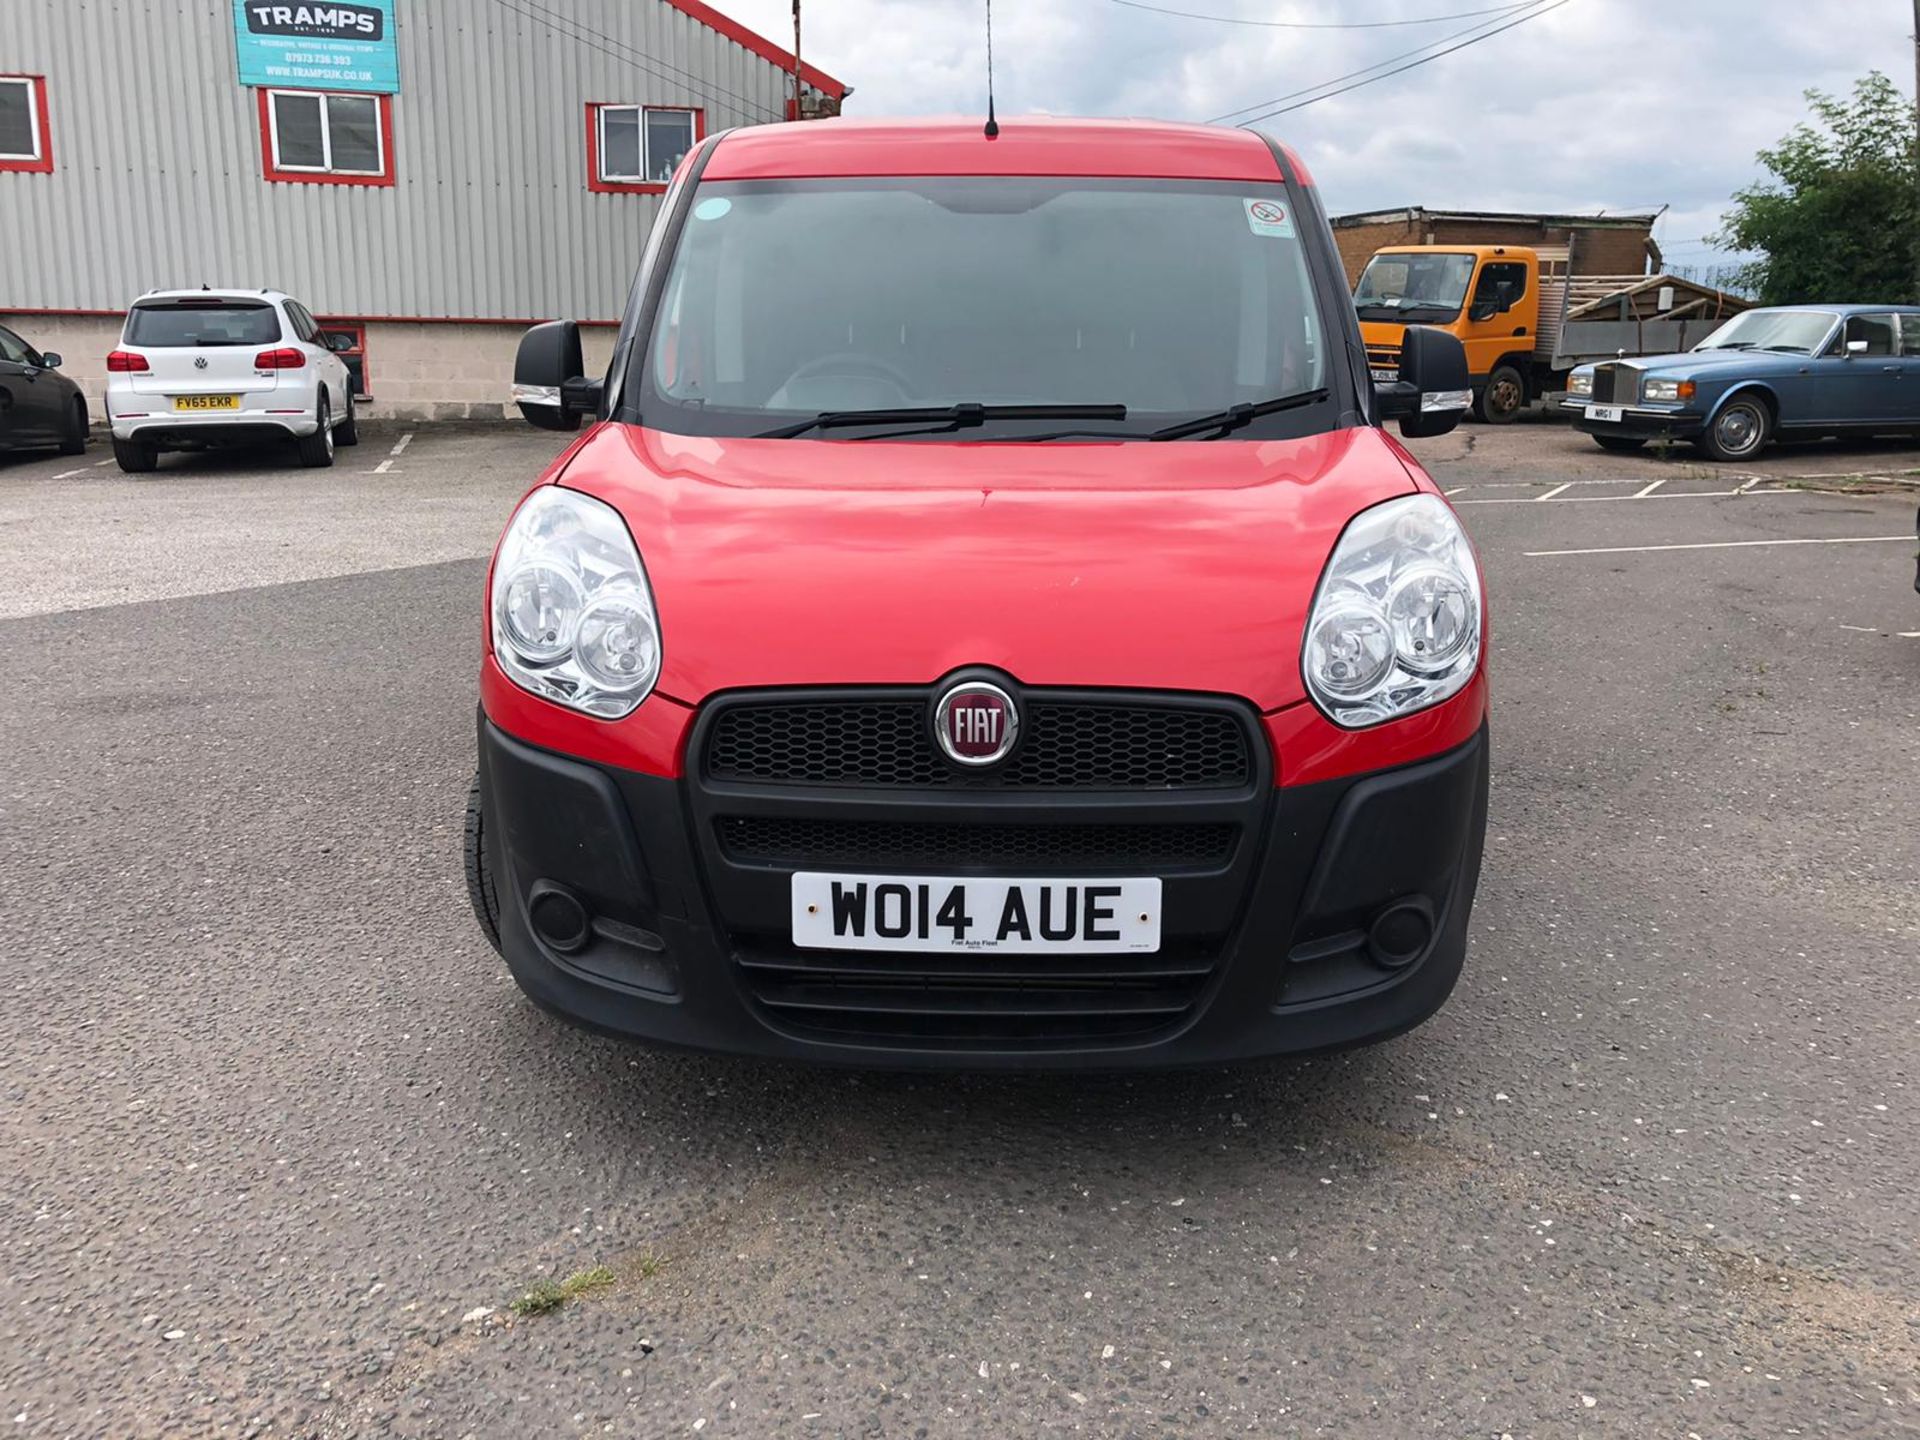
(1487, 295)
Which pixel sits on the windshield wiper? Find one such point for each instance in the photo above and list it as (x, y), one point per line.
(953, 416)
(1235, 416)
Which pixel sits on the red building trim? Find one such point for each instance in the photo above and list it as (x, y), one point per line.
(631, 187)
(270, 171)
(44, 165)
(759, 45)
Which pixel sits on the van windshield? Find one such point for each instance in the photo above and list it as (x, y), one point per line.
(1401, 286)
(1175, 299)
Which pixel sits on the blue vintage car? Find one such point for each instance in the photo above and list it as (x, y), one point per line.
(1790, 371)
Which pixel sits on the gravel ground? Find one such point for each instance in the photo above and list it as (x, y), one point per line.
(283, 1144)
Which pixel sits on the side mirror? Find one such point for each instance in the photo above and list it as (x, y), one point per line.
(1483, 309)
(548, 385)
(1856, 347)
(337, 341)
(49, 359)
(1433, 390)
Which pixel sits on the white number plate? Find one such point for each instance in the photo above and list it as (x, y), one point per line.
(1385, 377)
(928, 912)
(1603, 412)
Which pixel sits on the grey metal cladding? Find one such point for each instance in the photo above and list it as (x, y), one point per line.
(158, 175)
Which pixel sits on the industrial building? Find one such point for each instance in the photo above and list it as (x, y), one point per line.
(430, 175)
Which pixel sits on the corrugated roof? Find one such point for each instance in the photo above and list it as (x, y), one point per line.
(1410, 213)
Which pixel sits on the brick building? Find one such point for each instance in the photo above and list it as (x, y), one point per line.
(1591, 244)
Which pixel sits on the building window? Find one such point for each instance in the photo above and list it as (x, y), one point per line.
(638, 147)
(322, 137)
(24, 144)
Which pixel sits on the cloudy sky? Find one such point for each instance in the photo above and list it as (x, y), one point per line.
(1617, 104)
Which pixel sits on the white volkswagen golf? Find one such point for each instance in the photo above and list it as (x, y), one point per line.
(200, 368)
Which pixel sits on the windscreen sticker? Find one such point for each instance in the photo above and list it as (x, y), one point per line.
(1269, 217)
(712, 208)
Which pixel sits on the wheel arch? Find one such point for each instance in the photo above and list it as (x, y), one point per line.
(1758, 388)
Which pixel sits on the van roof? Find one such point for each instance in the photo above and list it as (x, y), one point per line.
(1026, 146)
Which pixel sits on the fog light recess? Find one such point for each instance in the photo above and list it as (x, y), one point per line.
(558, 917)
(1400, 934)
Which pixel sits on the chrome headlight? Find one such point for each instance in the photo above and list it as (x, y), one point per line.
(1397, 622)
(573, 619)
(1580, 383)
(1668, 390)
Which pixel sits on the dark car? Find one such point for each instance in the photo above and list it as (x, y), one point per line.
(40, 409)
(1793, 371)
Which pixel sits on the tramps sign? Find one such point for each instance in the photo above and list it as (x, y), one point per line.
(337, 46)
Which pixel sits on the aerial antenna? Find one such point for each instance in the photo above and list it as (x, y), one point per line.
(993, 125)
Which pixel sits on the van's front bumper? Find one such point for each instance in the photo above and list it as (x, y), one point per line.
(1338, 917)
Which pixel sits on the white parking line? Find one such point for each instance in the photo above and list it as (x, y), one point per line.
(401, 444)
(69, 474)
(1609, 499)
(1723, 545)
(1649, 488)
(1454, 491)
(98, 463)
(1554, 491)
(383, 467)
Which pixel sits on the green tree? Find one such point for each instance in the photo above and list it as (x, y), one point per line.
(1839, 220)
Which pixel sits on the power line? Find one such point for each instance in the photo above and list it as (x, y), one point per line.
(1363, 70)
(1323, 24)
(1485, 34)
(638, 58)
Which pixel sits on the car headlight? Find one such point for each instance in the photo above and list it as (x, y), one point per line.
(573, 619)
(1670, 390)
(1580, 383)
(1397, 620)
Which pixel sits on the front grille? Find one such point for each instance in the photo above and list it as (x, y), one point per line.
(951, 1001)
(942, 846)
(1065, 744)
(1616, 384)
(1102, 783)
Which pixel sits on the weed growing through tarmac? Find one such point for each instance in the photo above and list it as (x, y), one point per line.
(549, 1295)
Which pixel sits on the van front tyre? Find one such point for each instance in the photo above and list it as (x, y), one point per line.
(480, 892)
(316, 450)
(133, 457)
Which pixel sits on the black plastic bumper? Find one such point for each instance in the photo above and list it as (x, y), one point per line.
(1342, 920)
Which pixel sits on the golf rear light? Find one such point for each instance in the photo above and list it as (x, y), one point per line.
(285, 358)
(124, 362)
(572, 615)
(1397, 622)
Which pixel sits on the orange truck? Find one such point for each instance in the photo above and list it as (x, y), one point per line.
(1507, 309)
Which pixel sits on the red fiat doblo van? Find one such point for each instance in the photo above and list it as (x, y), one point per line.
(986, 622)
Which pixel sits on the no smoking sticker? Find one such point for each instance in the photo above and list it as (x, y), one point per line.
(1269, 217)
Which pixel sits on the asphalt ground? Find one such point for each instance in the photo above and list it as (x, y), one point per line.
(283, 1144)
